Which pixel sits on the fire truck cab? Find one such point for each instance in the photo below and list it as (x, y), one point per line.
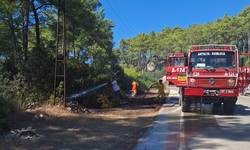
(208, 74)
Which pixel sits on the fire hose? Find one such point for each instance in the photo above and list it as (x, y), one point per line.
(135, 100)
(145, 93)
(129, 99)
(81, 93)
(156, 106)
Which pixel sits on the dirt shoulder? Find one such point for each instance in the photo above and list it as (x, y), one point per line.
(118, 128)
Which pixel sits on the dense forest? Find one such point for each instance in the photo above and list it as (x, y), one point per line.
(153, 47)
(28, 43)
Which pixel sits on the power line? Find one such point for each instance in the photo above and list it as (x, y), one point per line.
(124, 17)
(119, 17)
(117, 24)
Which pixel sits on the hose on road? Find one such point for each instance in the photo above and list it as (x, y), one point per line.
(157, 106)
(138, 100)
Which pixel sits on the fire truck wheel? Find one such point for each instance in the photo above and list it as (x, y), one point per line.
(185, 106)
(180, 99)
(181, 96)
(229, 106)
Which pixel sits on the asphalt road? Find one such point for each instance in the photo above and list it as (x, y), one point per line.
(173, 129)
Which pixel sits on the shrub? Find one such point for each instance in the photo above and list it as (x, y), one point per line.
(104, 101)
(4, 123)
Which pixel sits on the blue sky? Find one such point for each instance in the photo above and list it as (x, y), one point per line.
(142, 16)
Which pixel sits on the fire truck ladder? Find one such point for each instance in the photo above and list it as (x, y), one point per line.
(60, 60)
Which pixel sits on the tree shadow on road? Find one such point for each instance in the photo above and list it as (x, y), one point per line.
(240, 110)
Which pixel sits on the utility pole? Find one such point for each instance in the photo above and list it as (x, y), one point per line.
(60, 60)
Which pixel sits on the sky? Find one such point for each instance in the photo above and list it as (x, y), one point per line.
(132, 17)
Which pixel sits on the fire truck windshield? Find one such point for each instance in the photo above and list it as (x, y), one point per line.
(176, 62)
(212, 60)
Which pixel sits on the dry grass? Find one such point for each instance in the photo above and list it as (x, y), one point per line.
(117, 128)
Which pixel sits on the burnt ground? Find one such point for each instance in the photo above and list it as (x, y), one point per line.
(62, 129)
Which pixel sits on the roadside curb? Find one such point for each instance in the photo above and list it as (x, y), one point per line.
(150, 139)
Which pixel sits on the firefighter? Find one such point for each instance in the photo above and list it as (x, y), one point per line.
(160, 87)
(115, 88)
(134, 88)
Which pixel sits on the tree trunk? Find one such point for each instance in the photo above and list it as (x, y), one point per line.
(78, 55)
(68, 50)
(26, 33)
(15, 43)
(248, 41)
(23, 33)
(25, 28)
(138, 63)
(73, 41)
(243, 45)
(37, 24)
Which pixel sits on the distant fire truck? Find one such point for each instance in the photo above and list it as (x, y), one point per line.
(208, 74)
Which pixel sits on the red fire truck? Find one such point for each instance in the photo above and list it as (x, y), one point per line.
(208, 74)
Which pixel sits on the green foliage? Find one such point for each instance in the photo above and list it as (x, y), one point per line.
(27, 50)
(144, 79)
(32, 97)
(147, 78)
(60, 89)
(104, 101)
(247, 63)
(155, 46)
(131, 72)
(10, 89)
(27, 53)
(4, 123)
(59, 94)
(5, 108)
(101, 98)
(51, 99)
(246, 60)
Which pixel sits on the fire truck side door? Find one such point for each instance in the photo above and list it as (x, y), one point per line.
(176, 71)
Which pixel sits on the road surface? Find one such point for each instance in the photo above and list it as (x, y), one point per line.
(173, 129)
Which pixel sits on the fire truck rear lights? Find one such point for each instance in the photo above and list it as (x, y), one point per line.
(196, 48)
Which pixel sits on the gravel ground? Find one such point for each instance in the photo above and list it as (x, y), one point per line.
(61, 129)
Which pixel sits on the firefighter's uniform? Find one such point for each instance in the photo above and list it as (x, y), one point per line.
(160, 87)
(134, 87)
